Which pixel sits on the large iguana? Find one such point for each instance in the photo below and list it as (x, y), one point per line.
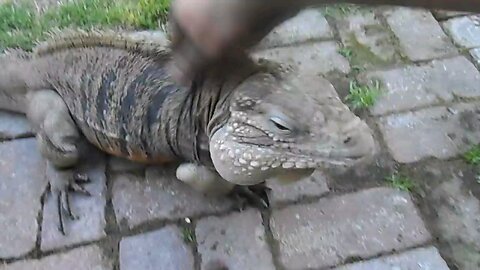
(237, 124)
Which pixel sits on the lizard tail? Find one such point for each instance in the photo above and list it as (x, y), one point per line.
(13, 85)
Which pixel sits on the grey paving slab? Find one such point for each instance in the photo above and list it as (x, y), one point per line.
(91, 210)
(163, 249)
(22, 183)
(83, 258)
(419, 34)
(308, 25)
(159, 196)
(440, 132)
(475, 53)
(464, 31)
(361, 224)
(13, 125)
(366, 36)
(436, 82)
(458, 220)
(314, 185)
(417, 259)
(237, 240)
(317, 58)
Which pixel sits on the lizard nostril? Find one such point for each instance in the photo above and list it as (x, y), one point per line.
(347, 140)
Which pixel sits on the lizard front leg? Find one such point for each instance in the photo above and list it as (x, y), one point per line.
(209, 182)
(57, 139)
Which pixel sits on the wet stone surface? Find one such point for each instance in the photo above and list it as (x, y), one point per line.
(419, 34)
(362, 224)
(22, 183)
(237, 240)
(440, 132)
(163, 249)
(159, 196)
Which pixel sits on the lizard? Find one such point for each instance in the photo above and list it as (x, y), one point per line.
(236, 124)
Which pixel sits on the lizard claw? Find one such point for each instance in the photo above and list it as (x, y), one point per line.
(62, 183)
(253, 195)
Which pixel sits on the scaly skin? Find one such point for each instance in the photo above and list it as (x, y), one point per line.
(239, 123)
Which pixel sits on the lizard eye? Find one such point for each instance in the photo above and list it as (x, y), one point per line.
(280, 124)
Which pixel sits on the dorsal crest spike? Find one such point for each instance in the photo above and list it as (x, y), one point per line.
(71, 38)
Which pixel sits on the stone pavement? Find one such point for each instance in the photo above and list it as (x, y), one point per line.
(428, 115)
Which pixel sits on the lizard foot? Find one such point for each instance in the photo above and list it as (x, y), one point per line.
(62, 183)
(255, 195)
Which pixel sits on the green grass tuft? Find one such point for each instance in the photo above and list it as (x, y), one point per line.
(21, 25)
(472, 156)
(188, 235)
(401, 182)
(363, 96)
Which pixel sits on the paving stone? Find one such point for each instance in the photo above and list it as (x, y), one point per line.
(314, 185)
(437, 82)
(89, 257)
(417, 259)
(370, 41)
(13, 125)
(419, 34)
(361, 224)
(308, 25)
(464, 31)
(237, 240)
(475, 53)
(318, 58)
(22, 183)
(160, 196)
(439, 132)
(458, 221)
(90, 210)
(160, 249)
(117, 164)
(447, 14)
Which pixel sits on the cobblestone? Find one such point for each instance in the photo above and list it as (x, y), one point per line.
(314, 185)
(440, 132)
(332, 230)
(13, 126)
(237, 240)
(458, 220)
(162, 249)
(437, 82)
(83, 258)
(90, 210)
(159, 196)
(369, 40)
(417, 259)
(319, 58)
(419, 34)
(464, 31)
(308, 25)
(22, 183)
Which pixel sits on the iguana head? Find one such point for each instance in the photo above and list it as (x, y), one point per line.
(287, 127)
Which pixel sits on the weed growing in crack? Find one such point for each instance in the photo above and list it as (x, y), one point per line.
(362, 96)
(401, 182)
(188, 235)
(472, 156)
